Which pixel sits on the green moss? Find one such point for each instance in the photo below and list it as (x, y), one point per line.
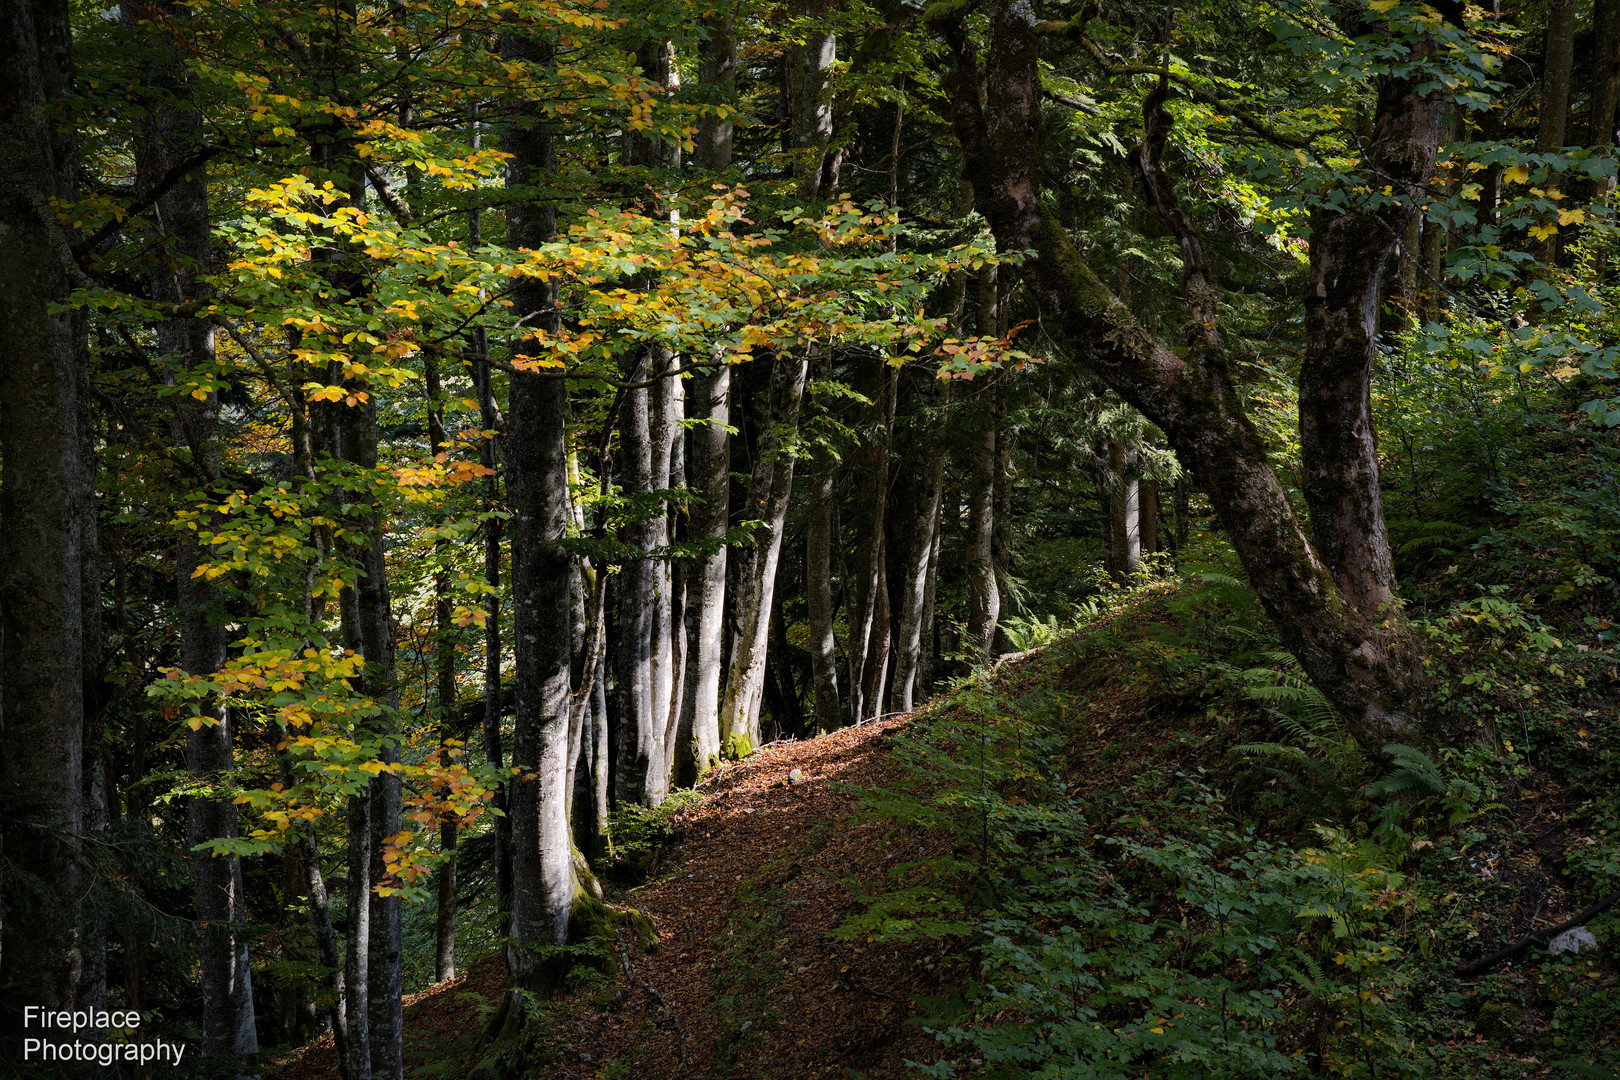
(737, 746)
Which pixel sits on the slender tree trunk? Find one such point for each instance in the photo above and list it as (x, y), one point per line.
(41, 500)
(930, 641)
(918, 550)
(984, 595)
(543, 880)
(698, 739)
(870, 621)
(1366, 668)
(181, 234)
(769, 490)
(444, 664)
(636, 745)
(1148, 515)
(494, 753)
(818, 551)
(708, 393)
(1124, 500)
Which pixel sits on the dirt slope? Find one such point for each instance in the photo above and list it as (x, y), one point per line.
(745, 982)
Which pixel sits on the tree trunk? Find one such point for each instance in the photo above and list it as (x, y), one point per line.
(698, 738)
(769, 490)
(809, 73)
(1605, 73)
(1366, 669)
(984, 597)
(494, 752)
(915, 557)
(636, 745)
(717, 85)
(543, 881)
(818, 551)
(871, 593)
(444, 663)
(1557, 71)
(41, 499)
(182, 236)
(1124, 502)
(1148, 515)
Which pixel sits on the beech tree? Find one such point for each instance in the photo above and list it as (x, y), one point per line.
(1331, 590)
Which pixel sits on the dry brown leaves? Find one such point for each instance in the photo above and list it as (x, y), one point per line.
(839, 1007)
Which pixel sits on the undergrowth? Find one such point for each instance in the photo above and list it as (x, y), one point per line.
(1171, 860)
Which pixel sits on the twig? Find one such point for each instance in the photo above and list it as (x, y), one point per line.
(646, 984)
(1535, 937)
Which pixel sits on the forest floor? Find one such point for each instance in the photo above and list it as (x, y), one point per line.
(806, 924)
(744, 981)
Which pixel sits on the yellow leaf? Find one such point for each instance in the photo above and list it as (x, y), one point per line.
(1571, 217)
(1518, 174)
(1541, 232)
(1383, 5)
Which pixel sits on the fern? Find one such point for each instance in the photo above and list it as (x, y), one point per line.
(1414, 774)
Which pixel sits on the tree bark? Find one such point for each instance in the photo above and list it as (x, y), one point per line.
(1557, 72)
(1124, 503)
(181, 232)
(543, 880)
(1339, 450)
(810, 63)
(698, 737)
(769, 491)
(41, 499)
(444, 683)
(1605, 73)
(916, 549)
(637, 750)
(1366, 669)
(870, 622)
(818, 551)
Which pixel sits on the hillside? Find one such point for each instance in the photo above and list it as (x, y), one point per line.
(744, 980)
(1115, 857)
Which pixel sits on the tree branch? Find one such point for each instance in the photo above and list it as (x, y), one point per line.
(165, 182)
(1535, 937)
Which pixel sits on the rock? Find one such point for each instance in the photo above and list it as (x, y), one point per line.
(1578, 940)
(795, 776)
(1500, 1022)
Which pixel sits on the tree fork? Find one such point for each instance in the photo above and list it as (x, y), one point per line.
(1368, 669)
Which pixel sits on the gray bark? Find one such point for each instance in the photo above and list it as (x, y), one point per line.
(698, 736)
(1124, 500)
(916, 557)
(818, 553)
(543, 881)
(637, 751)
(717, 83)
(42, 497)
(870, 623)
(809, 74)
(444, 660)
(769, 490)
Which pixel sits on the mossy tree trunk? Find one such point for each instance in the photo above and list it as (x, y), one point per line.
(1365, 664)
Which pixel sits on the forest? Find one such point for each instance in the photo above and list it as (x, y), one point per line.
(1070, 539)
